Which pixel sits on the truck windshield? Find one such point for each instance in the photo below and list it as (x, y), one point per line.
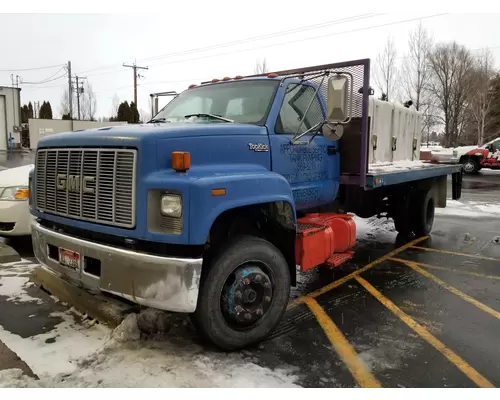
(246, 102)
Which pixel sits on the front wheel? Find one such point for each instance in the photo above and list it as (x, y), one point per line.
(243, 294)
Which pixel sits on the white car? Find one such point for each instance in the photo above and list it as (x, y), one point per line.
(15, 217)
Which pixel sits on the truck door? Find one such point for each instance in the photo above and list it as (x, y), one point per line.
(312, 169)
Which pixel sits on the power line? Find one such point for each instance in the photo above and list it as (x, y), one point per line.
(30, 69)
(251, 39)
(46, 80)
(293, 41)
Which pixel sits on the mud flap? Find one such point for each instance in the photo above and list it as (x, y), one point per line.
(456, 185)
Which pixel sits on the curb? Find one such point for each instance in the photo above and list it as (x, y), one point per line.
(105, 309)
(8, 254)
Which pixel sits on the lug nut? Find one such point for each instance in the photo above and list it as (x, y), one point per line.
(267, 285)
(246, 281)
(267, 299)
(238, 309)
(248, 316)
(258, 278)
(238, 295)
(259, 311)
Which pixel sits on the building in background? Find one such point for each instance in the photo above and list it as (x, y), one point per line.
(38, 128)
(10, 117)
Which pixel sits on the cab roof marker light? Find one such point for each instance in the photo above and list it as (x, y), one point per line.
(192, 86)
(226, 78)
(238, 77)
(215, 80)
(272, 75)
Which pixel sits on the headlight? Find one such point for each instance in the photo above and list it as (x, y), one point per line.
(171, 205)
(14, 193)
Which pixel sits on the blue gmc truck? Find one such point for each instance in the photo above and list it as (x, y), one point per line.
(213, 206)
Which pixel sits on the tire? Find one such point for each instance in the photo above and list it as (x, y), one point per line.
(213, 315)
(470, 166)
(401, 217)
(424, 212)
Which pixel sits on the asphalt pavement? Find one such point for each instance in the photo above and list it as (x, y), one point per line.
(423, 312)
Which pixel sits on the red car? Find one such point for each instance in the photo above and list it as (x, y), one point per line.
(485, 156)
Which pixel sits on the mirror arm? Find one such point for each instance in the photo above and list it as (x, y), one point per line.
(315, 128)
(297, 136)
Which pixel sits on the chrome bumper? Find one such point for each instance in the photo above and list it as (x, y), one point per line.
(165, 283)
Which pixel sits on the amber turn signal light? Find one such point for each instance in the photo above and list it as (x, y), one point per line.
(181, 161)
(218, 192)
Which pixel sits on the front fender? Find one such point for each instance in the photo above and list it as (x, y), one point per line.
(242, 189)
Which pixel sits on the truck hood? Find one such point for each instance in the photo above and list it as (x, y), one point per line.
(135, 135)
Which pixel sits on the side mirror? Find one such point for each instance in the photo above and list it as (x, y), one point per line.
(338, 99)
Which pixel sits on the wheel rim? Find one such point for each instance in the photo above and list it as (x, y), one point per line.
(246, 296)
(469, 166)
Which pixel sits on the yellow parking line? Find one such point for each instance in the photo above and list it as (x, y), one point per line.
(458, 271)
(453, 290)
(455, 359)
(343, 280)
(346, 352)
(454, 253)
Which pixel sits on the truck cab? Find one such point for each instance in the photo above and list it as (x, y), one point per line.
(209, 208)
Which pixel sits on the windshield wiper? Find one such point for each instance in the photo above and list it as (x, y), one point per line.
(210, 116)
(154, 120)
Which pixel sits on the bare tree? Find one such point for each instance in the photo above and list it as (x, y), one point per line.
(144, 115)
(88, 103)
(481, 99)
(114, 105)
(261, 67)
(386, 72)
(450, 83)
(415, 69)
(64, 105)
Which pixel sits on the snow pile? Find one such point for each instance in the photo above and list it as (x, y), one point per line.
(398, 166)
(374, 228)
(470, 209)
(126, 360)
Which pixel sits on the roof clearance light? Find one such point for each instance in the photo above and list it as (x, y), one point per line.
(192, 86)
(226, 78)
(181, 161)
(238, 77)
(215, 80)
(272, 75)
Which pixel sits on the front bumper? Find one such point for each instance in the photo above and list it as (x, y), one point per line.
(15, 218)
(165, 283)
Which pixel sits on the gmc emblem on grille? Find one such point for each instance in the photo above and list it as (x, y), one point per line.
(72, 183)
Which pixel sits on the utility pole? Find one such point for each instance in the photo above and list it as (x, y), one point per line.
(135, 68)
(79, 90)
(70, 91)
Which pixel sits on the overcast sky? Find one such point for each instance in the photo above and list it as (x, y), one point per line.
(98, 44)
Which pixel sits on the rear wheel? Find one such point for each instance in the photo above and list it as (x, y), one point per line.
(470, 165)
(243, 294)
(415, 214)
(424, 212)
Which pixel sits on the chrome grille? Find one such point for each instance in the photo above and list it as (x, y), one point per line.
(108, 197)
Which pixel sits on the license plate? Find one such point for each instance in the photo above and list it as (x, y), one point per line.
(69, 258)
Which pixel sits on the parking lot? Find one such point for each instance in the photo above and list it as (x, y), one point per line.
(419, 313)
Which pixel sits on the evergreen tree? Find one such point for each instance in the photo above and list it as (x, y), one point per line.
(49, 110)
(24, 114)
(65, 116)
(42, 111)
(124, 112)
(30, 110)
(134, 114)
